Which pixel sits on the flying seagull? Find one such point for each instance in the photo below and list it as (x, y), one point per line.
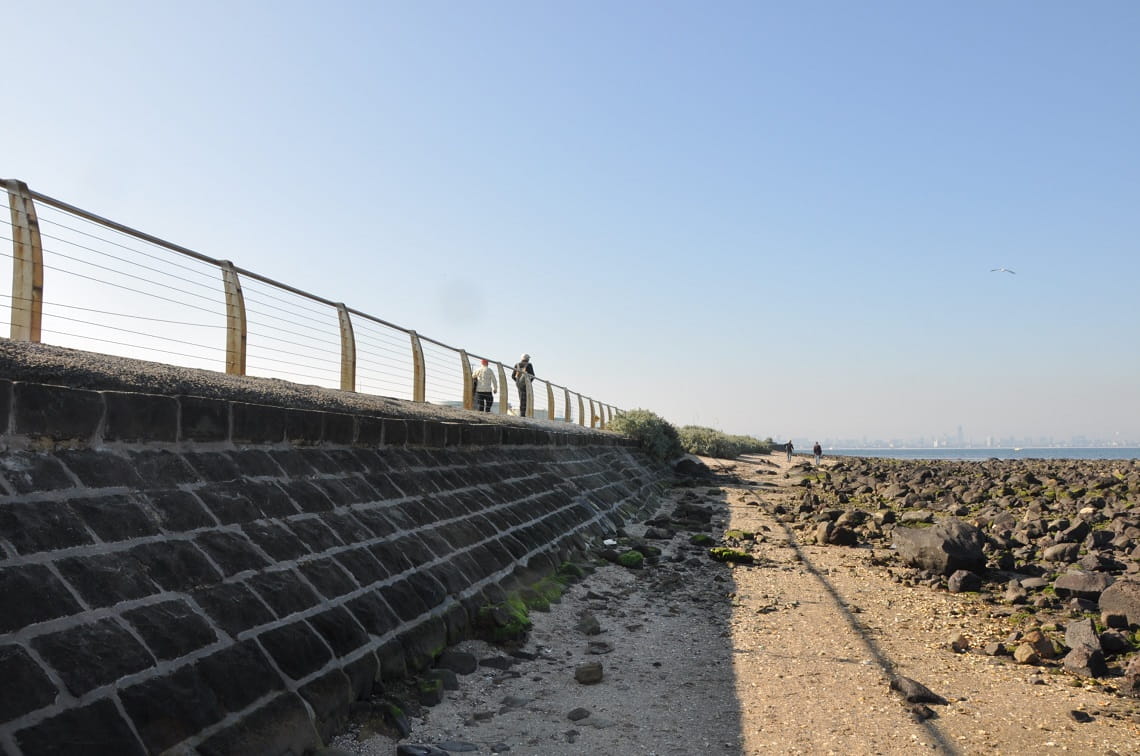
(1002, 270)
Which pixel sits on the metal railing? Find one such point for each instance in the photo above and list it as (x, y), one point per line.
(121, 291)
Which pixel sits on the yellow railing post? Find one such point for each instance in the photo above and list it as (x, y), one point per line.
(468, 389)
(27, 265)
(566, 412)
(504, 395)
(549, 401)
(235, 320)
(347, 349)
(593, 414)
(419, 373)
(581, 411)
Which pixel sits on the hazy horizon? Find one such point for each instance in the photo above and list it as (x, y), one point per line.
(772, 219)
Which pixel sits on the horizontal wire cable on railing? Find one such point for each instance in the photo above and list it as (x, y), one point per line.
(404, 370)
(124, 288)
(328, 314)
(47, 303)
(301, 303)
(169, 259)
(292, 314)
(129, 261)
(128, 330)
(124, 274)
(334, 352)
(254, 355)
(258, 348)
(403, 345)
(325, 335)
(381, 347)
(134, 265)
(123, 343)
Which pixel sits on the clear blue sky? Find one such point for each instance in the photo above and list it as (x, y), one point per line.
(772, 218)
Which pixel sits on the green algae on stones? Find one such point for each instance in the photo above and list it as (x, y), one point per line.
(632, 559)
(725, 554)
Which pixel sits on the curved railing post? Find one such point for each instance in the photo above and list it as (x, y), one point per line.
(593, 414)
(235, 320)
(419, 374)
(549, 401)
(504, 395)
(468, 389)
(27, 265)
(566, 391)
(347, 349)
(602, 416)
(581, 411)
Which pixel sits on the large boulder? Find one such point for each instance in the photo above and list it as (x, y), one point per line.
(1122, 597)
(1082, 584)
(947, 546)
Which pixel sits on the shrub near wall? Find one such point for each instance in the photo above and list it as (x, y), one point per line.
(655, 435)
(708, 442)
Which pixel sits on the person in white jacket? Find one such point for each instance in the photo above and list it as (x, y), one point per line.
(485, 387)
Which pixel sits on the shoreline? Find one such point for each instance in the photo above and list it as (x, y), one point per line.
(794, 652)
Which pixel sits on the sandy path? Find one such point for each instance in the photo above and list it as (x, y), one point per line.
(790, 655)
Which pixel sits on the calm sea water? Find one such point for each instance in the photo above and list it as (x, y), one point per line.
(1023, 453)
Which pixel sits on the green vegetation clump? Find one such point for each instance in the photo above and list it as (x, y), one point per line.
(740, 535)
(653, 434)
(725, 554)
(632, 559)
(708, 442)
(701, 539)
(509, 620)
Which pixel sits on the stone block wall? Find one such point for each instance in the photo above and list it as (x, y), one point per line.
(196, 575)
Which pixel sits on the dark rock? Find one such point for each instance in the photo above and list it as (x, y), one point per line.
(1080, 716)
(578, 714)
(1081, 633)
(588, 624)
(1081, 584)
(915, 692)
(964, 581)
(1086, 661)
(692, 467)
(1114, 642)
(497, 662)
(947, 546)
(1062, 552)
(459, 662)
(457, 746)
(1014, 593)
(589, 673)
(1131, 684)
(1122, 597)
(408, 749)
(447, 677)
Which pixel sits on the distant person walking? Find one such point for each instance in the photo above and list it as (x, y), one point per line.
(788, 448)
(817, 450)
(485, 387)
(522, 375)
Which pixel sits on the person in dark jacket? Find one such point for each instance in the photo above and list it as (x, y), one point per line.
(522, 375)
(817, 450)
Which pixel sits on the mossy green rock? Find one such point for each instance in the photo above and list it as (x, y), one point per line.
(724, 554)
(632, 559)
